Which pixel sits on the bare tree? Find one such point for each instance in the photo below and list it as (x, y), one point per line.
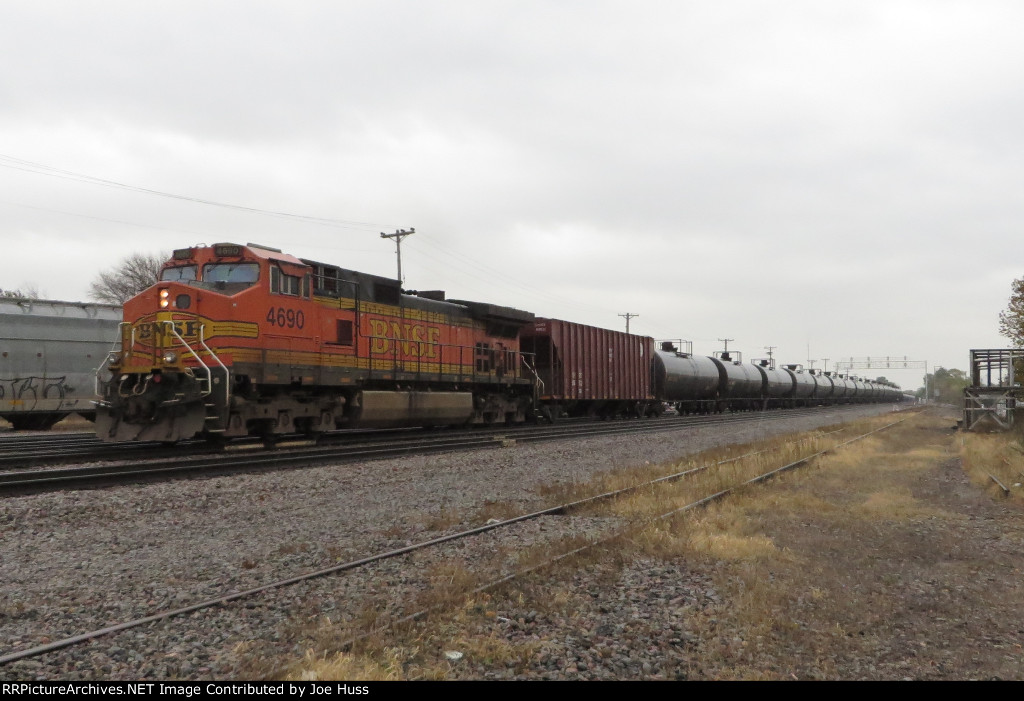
(130, 277)
(28, 292)
(1011, 320)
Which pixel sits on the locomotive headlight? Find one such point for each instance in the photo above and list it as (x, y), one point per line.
(113, 358)
(164, 301)
(170, 357)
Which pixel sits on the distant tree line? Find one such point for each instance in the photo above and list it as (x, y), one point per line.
(28, 292)
(946, 385)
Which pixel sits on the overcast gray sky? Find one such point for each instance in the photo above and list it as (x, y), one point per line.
(842, 177)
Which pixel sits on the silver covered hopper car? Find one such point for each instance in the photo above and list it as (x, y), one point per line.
(49, 353)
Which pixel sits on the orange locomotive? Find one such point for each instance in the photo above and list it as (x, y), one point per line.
(245, 340)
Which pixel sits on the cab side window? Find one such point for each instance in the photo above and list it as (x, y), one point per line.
(285, 284)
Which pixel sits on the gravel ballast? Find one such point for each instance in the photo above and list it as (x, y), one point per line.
(84, 560)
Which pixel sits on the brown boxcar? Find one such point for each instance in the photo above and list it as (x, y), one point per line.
(589, 371)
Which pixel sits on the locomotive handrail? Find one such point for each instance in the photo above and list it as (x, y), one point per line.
(118, 341)
(536, 376)
(227, 373)
(182, 341)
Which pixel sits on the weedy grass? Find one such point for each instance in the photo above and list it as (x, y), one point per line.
(999, 455)
(773, 593)
(387, 664)
(795, 612)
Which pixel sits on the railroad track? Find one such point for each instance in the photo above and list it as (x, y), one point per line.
(200, 460)
(560, 509)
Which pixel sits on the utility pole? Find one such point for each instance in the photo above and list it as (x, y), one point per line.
(770, 349)
(726, 342)
(628, 316)
(825, 360)
(398, 236)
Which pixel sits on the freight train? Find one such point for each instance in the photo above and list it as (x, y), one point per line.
(247, 340)
(49, 351)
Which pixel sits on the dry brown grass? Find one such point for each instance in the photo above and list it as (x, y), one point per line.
(764, 579)
(447, 518)
(994, 454)
(443, 519)
(778, 599)
(420, 653)
(386, 665)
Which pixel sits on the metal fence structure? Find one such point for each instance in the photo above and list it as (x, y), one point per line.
(990, 403)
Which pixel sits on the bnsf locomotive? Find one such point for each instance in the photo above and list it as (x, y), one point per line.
(238, 340)
(246, 340)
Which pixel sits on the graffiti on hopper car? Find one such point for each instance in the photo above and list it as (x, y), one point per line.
(34, 387)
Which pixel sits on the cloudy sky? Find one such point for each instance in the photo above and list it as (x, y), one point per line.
(833, 179)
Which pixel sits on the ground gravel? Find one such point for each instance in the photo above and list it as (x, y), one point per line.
(84, 560)
(931, 595)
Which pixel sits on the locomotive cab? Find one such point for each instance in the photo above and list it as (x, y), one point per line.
(172, 375)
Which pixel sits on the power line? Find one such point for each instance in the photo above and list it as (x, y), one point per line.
(42, 169)
(105, 219)
(493, 275)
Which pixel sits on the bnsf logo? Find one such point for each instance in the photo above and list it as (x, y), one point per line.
(414, 339)
(185, 329)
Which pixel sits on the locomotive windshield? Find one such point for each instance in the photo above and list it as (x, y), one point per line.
(180, 273)
(231, 272)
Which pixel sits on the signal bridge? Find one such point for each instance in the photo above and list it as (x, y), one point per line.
(887, 362)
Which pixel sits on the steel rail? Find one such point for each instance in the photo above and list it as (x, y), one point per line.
(361, 562)
(54, 450)
(45, 451)
(493, 584)
(229, 462)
